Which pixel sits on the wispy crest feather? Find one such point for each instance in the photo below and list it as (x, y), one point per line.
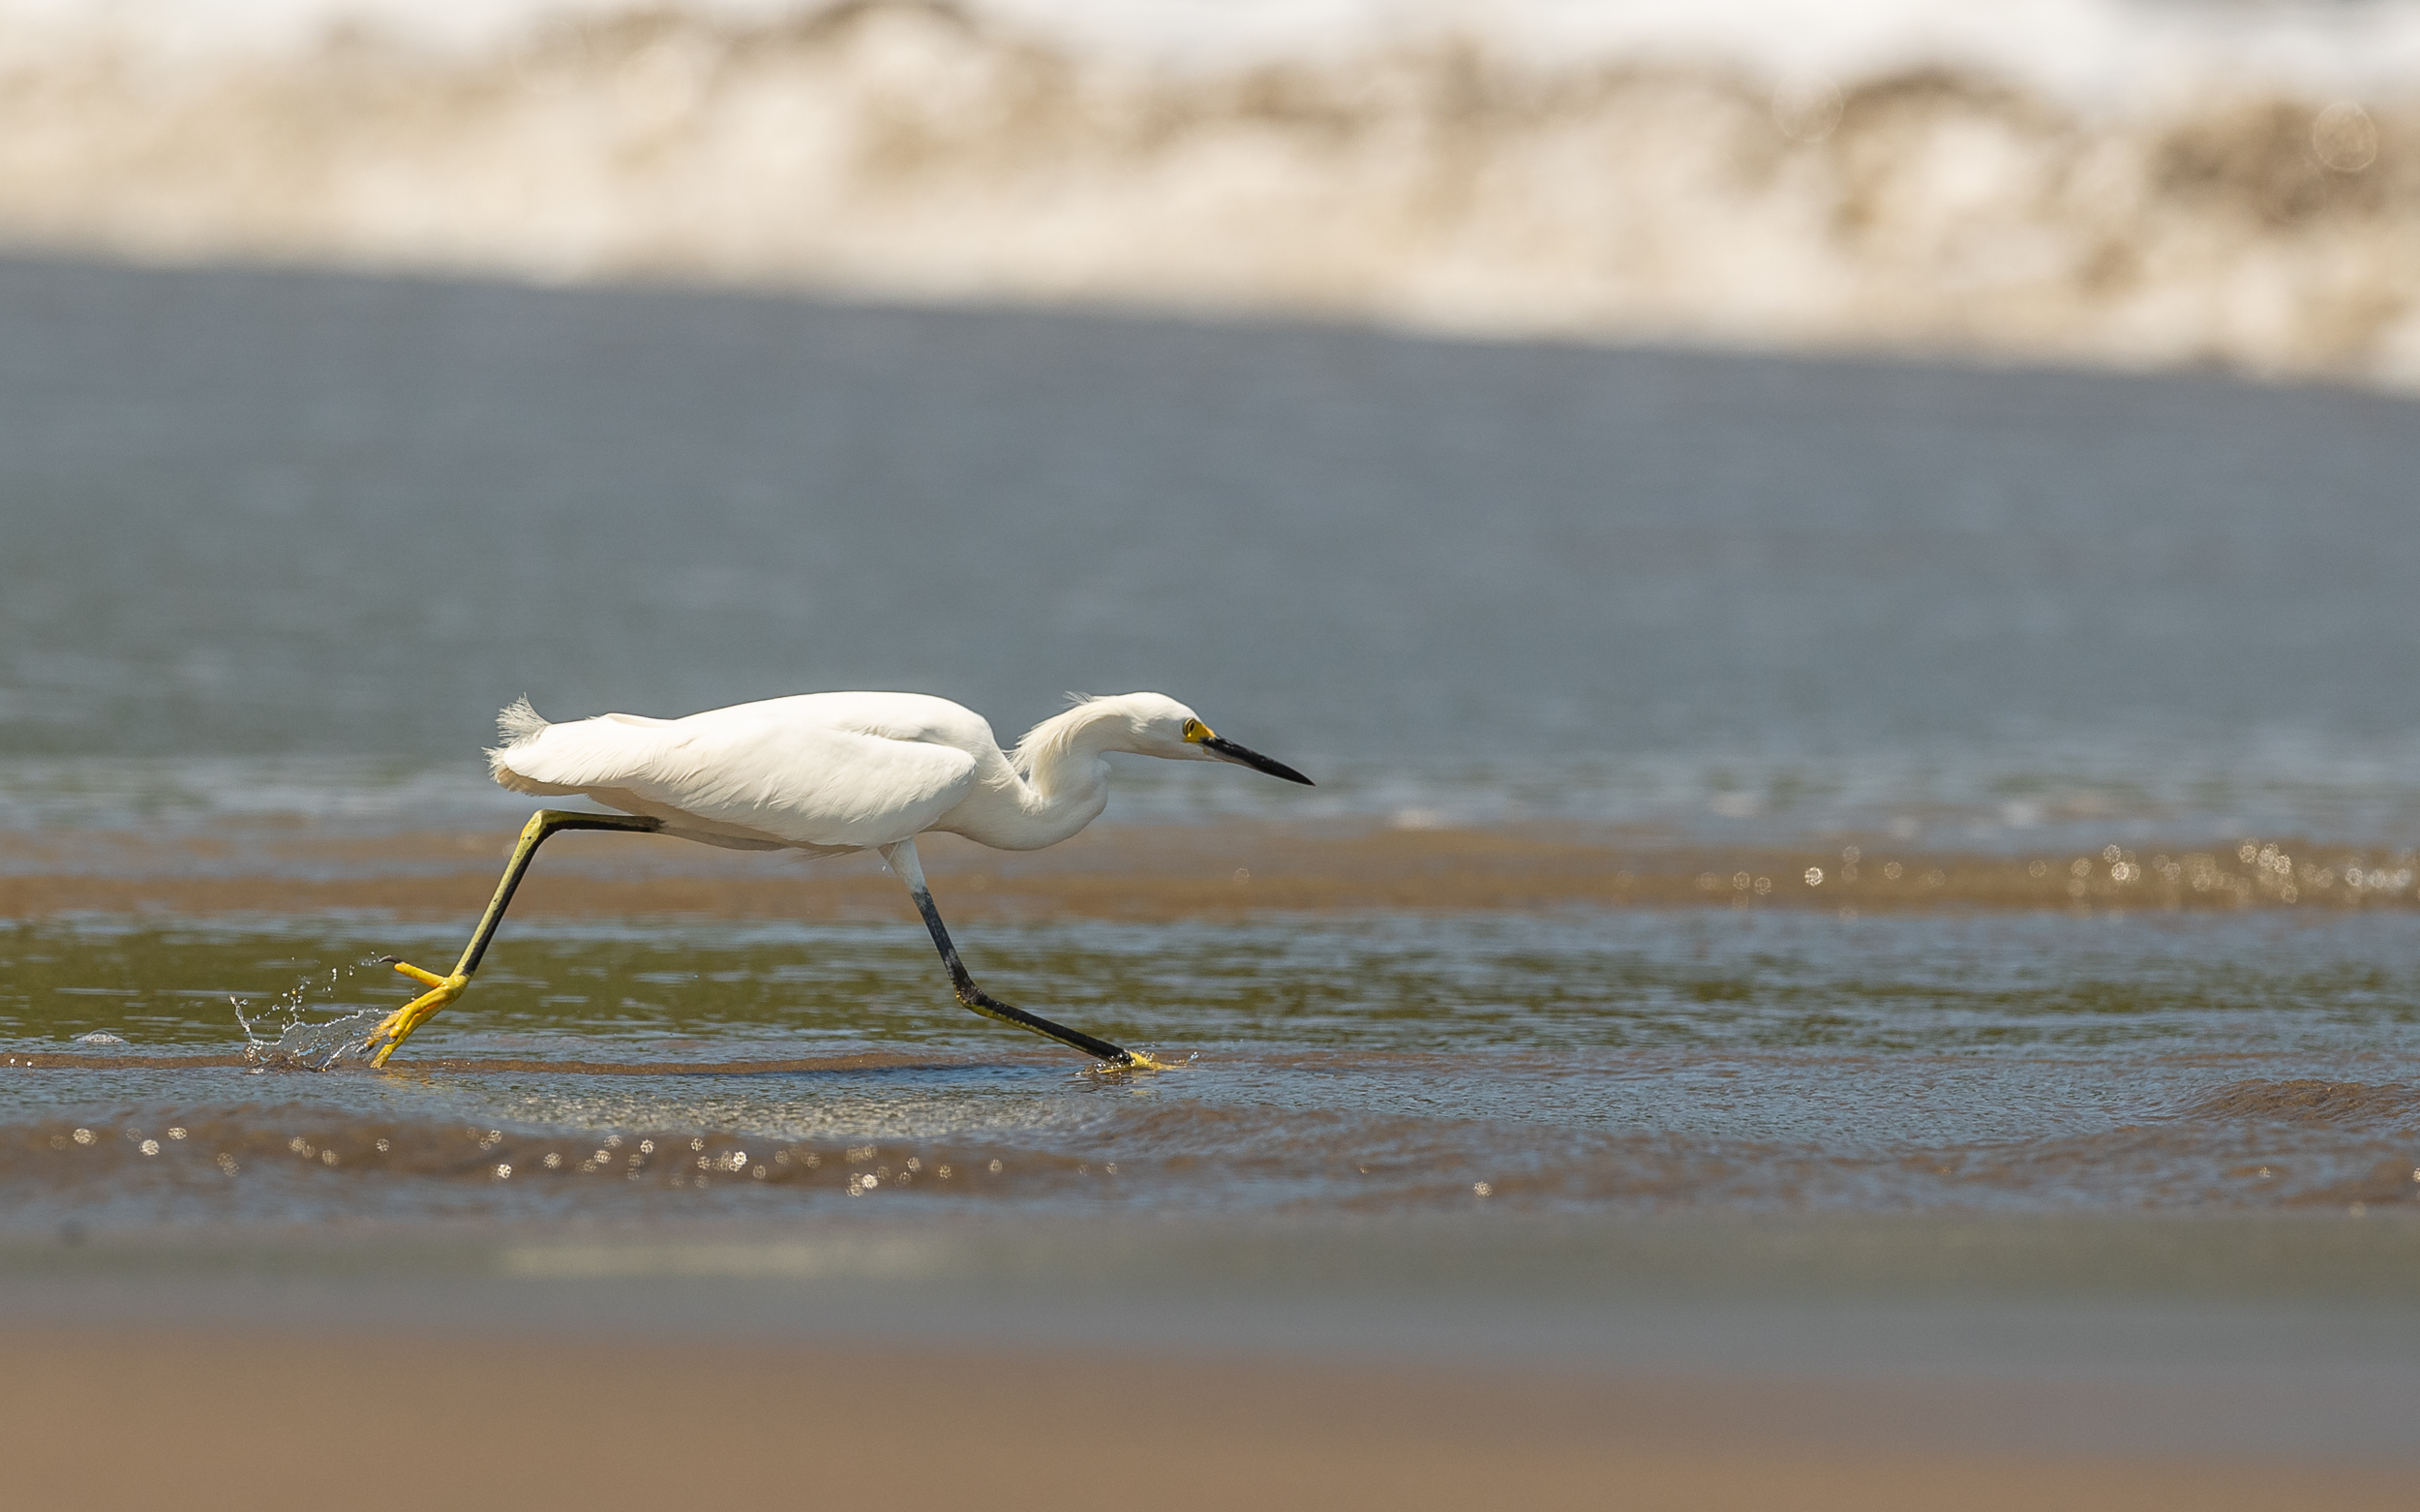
(1051, 737)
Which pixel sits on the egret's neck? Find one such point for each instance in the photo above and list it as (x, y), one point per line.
(1065, 775)
(1061, 759)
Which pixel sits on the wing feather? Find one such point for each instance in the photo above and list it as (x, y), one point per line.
(758, 773)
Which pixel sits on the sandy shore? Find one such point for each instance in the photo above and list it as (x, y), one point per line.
(1150, 873)
(99, 1417)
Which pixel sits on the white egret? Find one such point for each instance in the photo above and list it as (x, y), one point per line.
(829, 774)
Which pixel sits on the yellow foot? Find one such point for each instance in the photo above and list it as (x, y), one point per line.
(1140, 1060)
(397, 1027)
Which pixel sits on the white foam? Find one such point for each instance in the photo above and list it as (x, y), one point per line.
(2078, 179)
(2087, 51)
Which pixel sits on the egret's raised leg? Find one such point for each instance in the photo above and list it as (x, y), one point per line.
(903, 861)
(398, 1026)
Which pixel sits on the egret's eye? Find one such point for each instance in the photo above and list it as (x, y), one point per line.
(1197, 731)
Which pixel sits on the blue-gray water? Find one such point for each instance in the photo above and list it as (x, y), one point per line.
(277, 544)
(285, 541)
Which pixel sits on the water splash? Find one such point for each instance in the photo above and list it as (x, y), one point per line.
(303, 1043)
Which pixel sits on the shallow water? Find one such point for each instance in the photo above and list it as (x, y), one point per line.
(1705, 1062)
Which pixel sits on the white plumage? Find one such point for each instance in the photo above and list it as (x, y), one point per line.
(822, 772)
(828, 772)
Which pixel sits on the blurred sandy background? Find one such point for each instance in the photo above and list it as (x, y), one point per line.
(2132, 183)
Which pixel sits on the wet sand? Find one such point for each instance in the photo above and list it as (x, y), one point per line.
(100, 1417)
(1779, 1363)
(1156, 874)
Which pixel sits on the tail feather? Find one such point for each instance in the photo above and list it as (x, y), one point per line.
(517, 724)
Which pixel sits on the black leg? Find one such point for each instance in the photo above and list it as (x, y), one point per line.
(903, 861)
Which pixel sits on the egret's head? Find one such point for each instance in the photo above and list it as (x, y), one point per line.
(1160, 726)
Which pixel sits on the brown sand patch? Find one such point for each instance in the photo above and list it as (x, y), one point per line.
(2306, 1101)
(263, 1421)
(1152, 873)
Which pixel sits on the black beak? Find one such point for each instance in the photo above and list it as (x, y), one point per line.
(1255, 761)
